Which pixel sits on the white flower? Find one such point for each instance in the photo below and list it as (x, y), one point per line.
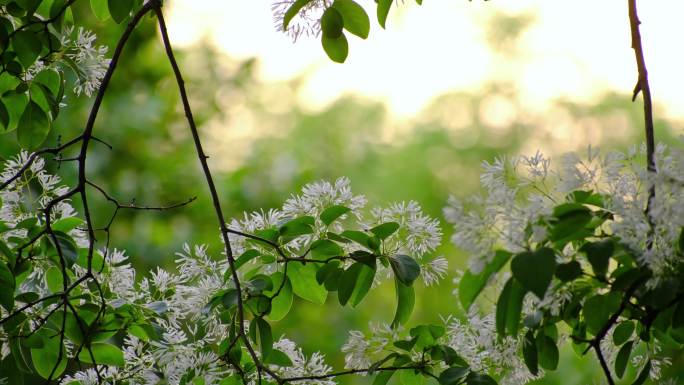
(302, 365)
(356, 351)
(320, 195)
(478, 343)
(418, 234)
(305, 23)
(90, 60)
(434, 270)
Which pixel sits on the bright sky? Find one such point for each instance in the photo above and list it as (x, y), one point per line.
(577, 49)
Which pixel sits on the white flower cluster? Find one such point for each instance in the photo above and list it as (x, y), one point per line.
(521, 191)
(80, 54)
(302, 365)
(478, 343)
(30, 193)
(360, 352)
(418, 234)
(188, 331)
(89, 61)
(177, 301)
(517, 195)
(305, 23)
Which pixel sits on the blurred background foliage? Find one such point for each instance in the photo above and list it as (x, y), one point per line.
(264, 146)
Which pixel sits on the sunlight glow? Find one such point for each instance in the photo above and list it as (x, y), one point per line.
(578, 50)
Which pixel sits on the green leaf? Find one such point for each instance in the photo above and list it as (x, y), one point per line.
(572, 217)
(357, 236)
(100, 9)
(244, 258)
(7, 287)
(324, 272)
(277, 357)
(405, 268)
(4, 117)
(471, 284)
(304, 285)
(11, 371)
(332, 280)
(383, 11)
(598, 309)
(530, 353)
(29, 5)
(598, 254)
(293, 11)
(229, 299)
(55, 12)
(348, 282)
(643, 376)
(330, 214)
(383, 377)
(324, 248)
(281, 304)
(27, 46)
(67, 224)
(623, 332)
(259, 283)
(479, 379)
(46, 97)
(47, 358)
(260, 332)
(54, 279)
(16, 104)
(298, 226)
(67, 246)
(411, 377)
(406, 299)
(622, 359)
(534, 270)
(678, 316)
(332, 23)
(364, 257)
(384, 230)
(426, 335)
(105, 354)
(120, 9)
(569, 271)
(355, 18)
(34, 126)
(451, 357)
(337, 48)
(259, 305)
(363, 283)
(139, 332)
(548, 352)
(509, 308)
(452, 375)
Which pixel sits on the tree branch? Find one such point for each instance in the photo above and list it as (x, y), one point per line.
(643, 86)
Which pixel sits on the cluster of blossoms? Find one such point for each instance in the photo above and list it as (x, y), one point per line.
(173, 335)
(475, 340)
(524, 212)
(89, 60)
(30, 193)
(79, 53)
(172, 330)
(522, 191)
(418, 234)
